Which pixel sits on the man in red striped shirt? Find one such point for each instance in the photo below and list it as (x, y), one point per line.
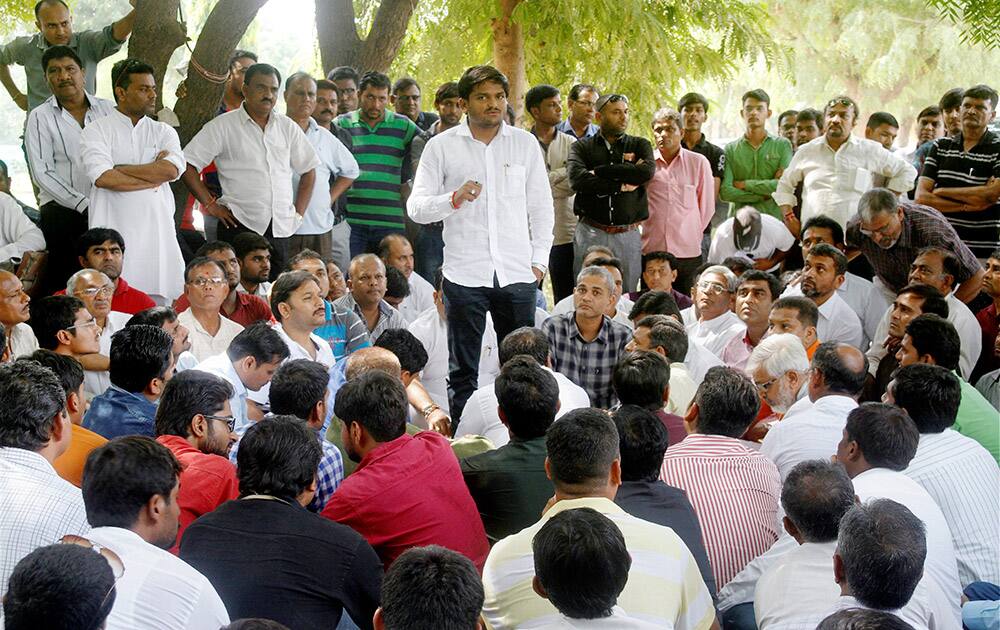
(734, 489)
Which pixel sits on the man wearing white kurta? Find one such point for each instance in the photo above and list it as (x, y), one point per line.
(131, 159)
(395, 251)
(17, 233)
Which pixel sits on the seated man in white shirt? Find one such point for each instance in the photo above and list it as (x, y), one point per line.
(14, 314)
(481, 417)
(130, 490)
(666, 336)
(95, 290)
(431, 329)
(17, 233)
(297, 304)
(760, 237)
(822, 273)
(698, 359)
(206, 288)
(717, 326)
(395, 251)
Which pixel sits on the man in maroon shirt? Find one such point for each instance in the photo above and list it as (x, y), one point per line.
(988, 318)
(195, 422)
(243, 308)
(104, 249)
(408, 490)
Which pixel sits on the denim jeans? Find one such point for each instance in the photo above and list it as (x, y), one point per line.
(428, 251)
(365, 238)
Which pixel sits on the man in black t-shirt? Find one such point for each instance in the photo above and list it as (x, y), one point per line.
(694, 111)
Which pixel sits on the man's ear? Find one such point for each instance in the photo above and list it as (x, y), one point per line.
(691, 418)
(503, 416)
(838, 568)
(83, 262)
(64, 337)
(198, 426)
(73, 402)
(548, 468)
(536, 585)
(615, 477)
(789, 526)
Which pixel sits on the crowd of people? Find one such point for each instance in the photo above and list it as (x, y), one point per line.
(345, 401)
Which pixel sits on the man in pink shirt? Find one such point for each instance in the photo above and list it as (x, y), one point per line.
(681, 198)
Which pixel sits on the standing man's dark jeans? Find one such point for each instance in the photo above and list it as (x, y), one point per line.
(739, 617)
(561, 270)
(62, 228)
(685, 274)
(365, 238)
(279, 246)
(428, 251)
(512, 306)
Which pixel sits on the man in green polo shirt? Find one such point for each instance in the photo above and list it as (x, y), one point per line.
(55, 28)
(380, 141)
(756, 160)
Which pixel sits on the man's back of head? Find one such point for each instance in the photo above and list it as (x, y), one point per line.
(655, 303)
(929, 394)
(863, 619)
(31, 415)
(668, 335)
(642, 378)
(642, 440)
(525, 340)
(372, 358)
(278, 457)
(260, 342)
(842, 369)
(189, 394)
(373, 408)
(932, 338)
(527, 396)
(142, 359)
(298, 387)
(583, 457)
(816, 495)
(408, 349)
(727, 403)
(877, 436)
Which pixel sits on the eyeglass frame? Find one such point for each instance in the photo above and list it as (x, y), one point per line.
(92, 322)
(108, 289)
(201, 283)
(721, 287)
(229, 420)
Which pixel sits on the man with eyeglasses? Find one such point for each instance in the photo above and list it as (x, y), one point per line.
(103, 249)
(580, 103)
(206, 288)
(367, 286)
(405, 99)
(95, 289)
(346, 79)
(240, 306)
(711, 320)
(64, 325)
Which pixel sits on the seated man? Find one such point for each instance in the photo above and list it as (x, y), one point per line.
(253, 253)
(64, 325)
(726, 481)
(755, 295)
(297, 304)
(239, 306)
(408, 490)
(989, 318)
(431, 329)
(760, 237)
(667, 337)
(367, 293)
(206, 288)
(481, 415)
(642, 440)
(431, 587)
(797, 316)
(193, 420)
(94, 289)
(581, 567)
(338, 285)
(130, 488)
(711, 320)
(585, 467)
(863, 619)
(509, 484)
(166, 318)
(14, 313)
(779, 368)
(586, 343)
(697, 360)
(142, 361)
(659, 273)
(823, 273)
(642, 379)
(103, 249)
(396, 288)
(395, 251)
(38, 506)
(243, 546)
(620, 305)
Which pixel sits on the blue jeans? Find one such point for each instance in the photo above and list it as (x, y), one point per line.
(365, 238)
(428, 251)
(739, 617)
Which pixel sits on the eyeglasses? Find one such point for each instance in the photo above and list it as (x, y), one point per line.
(114, 561)
(93, 291)
(123, 75)
(229, 420)
(712, 288)
(763, 387)
(92, 322)
(882, 231)
(201, 283)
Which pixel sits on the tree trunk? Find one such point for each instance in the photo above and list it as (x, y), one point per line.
(508, 53)
(156, 36)
(340, 45)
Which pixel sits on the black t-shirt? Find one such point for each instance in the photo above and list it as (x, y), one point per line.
(716, 157)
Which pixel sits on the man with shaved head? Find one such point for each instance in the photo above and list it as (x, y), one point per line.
(13, 315)
(367, 286)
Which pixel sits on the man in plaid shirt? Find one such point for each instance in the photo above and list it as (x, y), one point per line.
(586, 343)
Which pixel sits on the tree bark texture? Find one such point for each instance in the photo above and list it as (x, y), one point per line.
(508, 53)
(340, 44)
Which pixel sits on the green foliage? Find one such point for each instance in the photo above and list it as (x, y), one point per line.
(15, 13)
(979, 19)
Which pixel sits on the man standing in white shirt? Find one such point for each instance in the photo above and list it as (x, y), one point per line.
(257, 151)
(837, 168)
(130, 488)
(716, 325)
(206, 288)
(131, 159)
(395, 251)
(486, 180)
(822, 275)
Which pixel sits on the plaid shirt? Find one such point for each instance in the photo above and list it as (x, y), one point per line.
(922, 227)
(329, 475)
(589, 364)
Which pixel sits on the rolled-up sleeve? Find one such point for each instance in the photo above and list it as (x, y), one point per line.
(784, 195)
(205, 146)
(428, 201)
(171, 143)
(901, 174)
(344, 163)
(301, 154)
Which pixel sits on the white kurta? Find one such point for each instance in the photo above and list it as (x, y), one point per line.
(145, 218)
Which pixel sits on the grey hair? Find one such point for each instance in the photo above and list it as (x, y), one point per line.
(603, 273)
(71, 283)
(731, 280)
(877, 201)
(778, 354)
(666, 113)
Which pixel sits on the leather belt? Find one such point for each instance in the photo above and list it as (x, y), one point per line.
(610, 229)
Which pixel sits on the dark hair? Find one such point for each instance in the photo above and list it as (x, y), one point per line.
(278, 456)
(445, 91)
(842, 100)
(407, 348)
(950, 264)
(642, 440)
(930, 394)
(431, 588)
(838, 378)
(247, 242)
(528, 395)
(155, 316)
(404, 83)
(260, 68)
(756, 275)
(32, 398)
(829, 251)
(122, 71)
(815, 496)
(287, 283)
(825, 223)
(296, 76)
(885, 434)
(59, 52)
(343, 72)
(259, 341)
(737, 264)
(882, 546)
(930, 110)
(59, 587)
(241, 54)
(640, 378)
(121, 476)
(297, 386)
(651, 256)
(935, 336)
(691, 98)
(727, 402)
(376, 401)
(525, 340)
(812, 114)
(757, 95)
(374, 80)
(211, 247)
(188, 394)
(51, 314)
(396, 284)
(934, 302)
(788, 112)
(952, 99)
(481, 74)
(582, 561)
(203, 261)
(574, 92)
(863, 619)
(3, 170)
(655, 303)
(539, 93)
(667, 333)
(138, 355)
(324, 84)
(983, 92)
(385, 245)
(305, 254)
(806, 309)
(67, 369)
(582, 447)
(607, 261)
(878, 119)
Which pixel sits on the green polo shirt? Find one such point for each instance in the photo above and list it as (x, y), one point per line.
(978, 419)
(756, 168)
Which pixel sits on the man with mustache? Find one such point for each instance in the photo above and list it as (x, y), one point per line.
(103, 249)
(94, 289)
(823, 273)
(297, 303)
(327, 102)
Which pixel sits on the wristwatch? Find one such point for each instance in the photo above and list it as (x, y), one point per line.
(429, 409)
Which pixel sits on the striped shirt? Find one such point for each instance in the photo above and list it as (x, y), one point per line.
(589, 364)
(343, 330)
(382, 153)
(949, 165)
(964, 480)
(734, 491)
(664, 586)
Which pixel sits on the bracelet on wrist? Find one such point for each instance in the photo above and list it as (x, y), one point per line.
(428, 410)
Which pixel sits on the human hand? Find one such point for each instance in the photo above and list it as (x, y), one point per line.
(539, 274)
(629, 187)
(469, 191)
(439, 422)
(739, 185)
(220, 212)
(628, 157)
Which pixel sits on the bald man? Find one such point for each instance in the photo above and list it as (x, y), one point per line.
(367, 286)
(395, 251)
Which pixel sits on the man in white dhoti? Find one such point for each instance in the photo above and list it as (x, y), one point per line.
(131, 159)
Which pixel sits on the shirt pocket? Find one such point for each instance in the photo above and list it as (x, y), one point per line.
(515, 178)
(689, 197)
(862, 179)
(147, 154)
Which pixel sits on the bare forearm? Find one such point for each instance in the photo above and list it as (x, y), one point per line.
(970, 194)
(158, 172)
(940, 203)
(304, 192)
(95, 362)
(113, 179)
(195, 186)
(121, 29)
(968, 290)
(340, 186)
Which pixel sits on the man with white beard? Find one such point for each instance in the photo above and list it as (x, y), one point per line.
(779, 367)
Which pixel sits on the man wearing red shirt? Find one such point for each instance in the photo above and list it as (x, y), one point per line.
(195, 422)
(988, 319)
(408, 490)
(243, 308)
(104, 249)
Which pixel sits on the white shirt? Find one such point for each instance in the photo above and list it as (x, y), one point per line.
(158, 590)
(965, 482)
(52, 143)
(185, 361)
(221, 366)
(618, 619)
(699, 360)
(833, 181)
(432, 331)
(21, 339)
(255, 167)
(774, 236)
(324, 355)
(839, 323)
(682, 389)
(508, 228)
(420, 299)
(17, 233)
(489, 349)
(335, 161)
(922, 612)
(263, 290)
(480, 416)
(868, 303)
(799, 583)
(145, 218)
(204, 345)
(96, 382)
(810, 434)
(717, 333)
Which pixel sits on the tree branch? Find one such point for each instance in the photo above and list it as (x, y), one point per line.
(339, 44)
(156, 36)
(386, 35)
